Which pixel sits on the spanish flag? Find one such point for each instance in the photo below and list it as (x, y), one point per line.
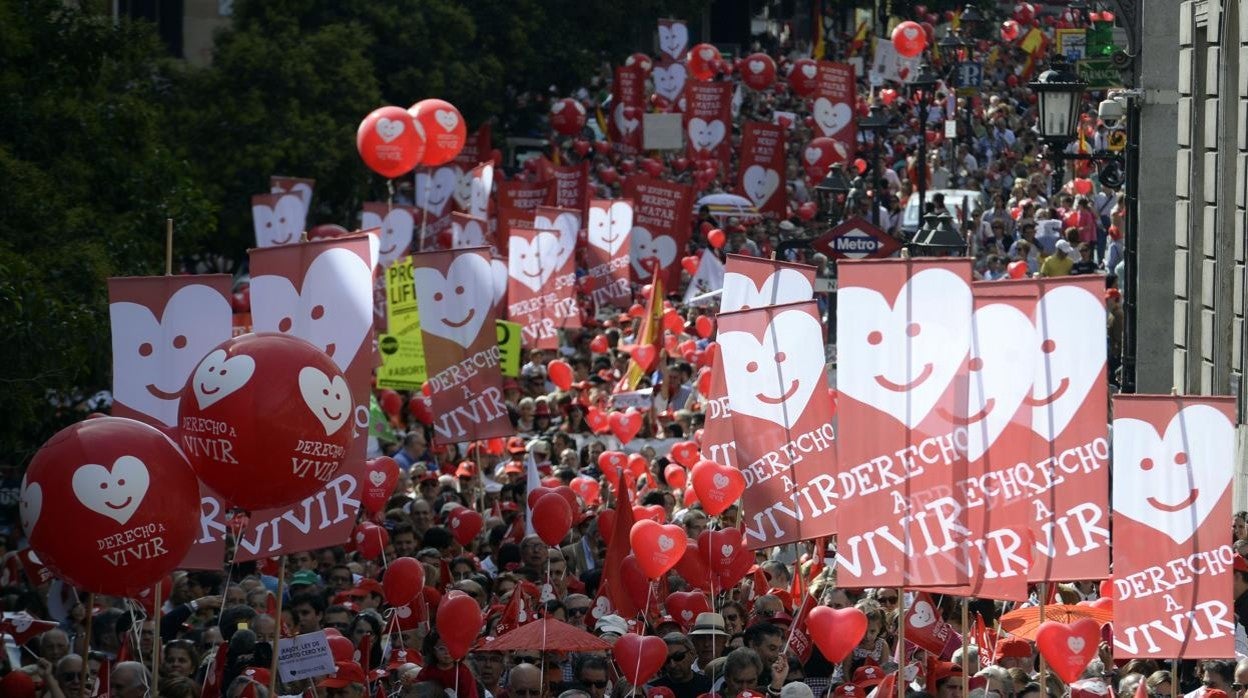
(820, 47)
(861, 36)
(650, 334)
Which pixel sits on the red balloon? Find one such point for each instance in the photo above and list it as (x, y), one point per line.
(1024, 13)
(727, 556)
(1107, 588)
(581, 147)
(560, 373)
(258, 404)
(822, 153)
(1082, 186)
(705, 326)
(685, 453)
(1068, 647)
(807, 211)
(690, 264)
(836, 631)
(445, 130)
(404, 578)
(635, 581)
(718, 486)
(758, 71)
(639, 657)
(692, 566)
(599, 344)
(691, 497)
(1103, 602)
(804, 77)
(675, 476)
(552, 518)
(860, 165)
(390, 142)
(459, 623)
(608, 175)
(657, 547)
(716, 238)
(626, 424)
(390, 401)
(1017, 269)
(929, 31)
(567, 116)
(704, 381)
(123, 505)
(673, 322)
(371, 540)
(654, 513)
(637, 465)
(909, 39)
(680, 164)
(1009, 30)
(888, 95)
(685, 606)
(421, 408)
(380, 474)
(597, 420)
(642, 61)
(653, 167)
(702, 60)
(342, 648)
(611, 461)
(587, 488)
(465, 524)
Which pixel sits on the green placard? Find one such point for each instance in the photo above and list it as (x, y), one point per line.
(509, 348)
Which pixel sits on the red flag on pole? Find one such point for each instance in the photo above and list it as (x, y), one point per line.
(618, 549)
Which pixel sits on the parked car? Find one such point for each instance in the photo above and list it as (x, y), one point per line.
(962, 203)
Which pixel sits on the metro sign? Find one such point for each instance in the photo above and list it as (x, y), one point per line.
(856, 238)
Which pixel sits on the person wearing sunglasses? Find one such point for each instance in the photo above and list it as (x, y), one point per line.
(678, 673)
(591, 672)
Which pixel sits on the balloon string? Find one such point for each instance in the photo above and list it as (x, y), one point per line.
(549, 581)
(229, 574)
(139, 617)
(637, 671)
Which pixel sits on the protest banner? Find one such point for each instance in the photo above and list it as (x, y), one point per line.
(835, 99)
(660, 227)
(467, 231)
(539, 292)
(708, 120)
(396, 227)
(628, 103)
(606, 252)
(761, 176)
(673, 38)
(570, 186)
(279, 184)
(278, 219)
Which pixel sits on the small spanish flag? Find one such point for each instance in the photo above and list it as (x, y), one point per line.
(861, 36)
(650, 334)
(820, 48)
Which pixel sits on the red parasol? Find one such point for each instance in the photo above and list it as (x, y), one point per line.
(546, 634)
(1025, 621)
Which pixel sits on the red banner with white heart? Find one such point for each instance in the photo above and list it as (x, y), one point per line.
(708, 120)
(397, 226)
(628, 104)
(570, 186)
(669, 78)
(566, 223)
(761, 177)
(476, 190)
(476, 149)
(539, 290)
(294, 185)
(433, 196)
(606, 251)
(660, 232)
(1174, 460)
(749, 283)
(321, 292)
(777, 383)
(278, 219)
(455, 294)
(903, 336)
(467, 231)
(673, 39)
(833, 107)
(522, 195)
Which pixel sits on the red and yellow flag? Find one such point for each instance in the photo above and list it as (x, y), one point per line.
(650, 334)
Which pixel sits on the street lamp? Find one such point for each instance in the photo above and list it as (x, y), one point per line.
(971, 19)
(1059, 93)
(876, 122)
(938, 237)
(921, 89)
(832, 192)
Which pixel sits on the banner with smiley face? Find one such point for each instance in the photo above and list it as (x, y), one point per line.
(606, 252)
(278, 219)
(539, 290)
(279, 184)
(455, 294)
(903, 338)
(1174, 459)
(708, 120)
(628, 104)
(761, 178)
(833, 106)
(777, 385)
(660, 232)
(397, 226)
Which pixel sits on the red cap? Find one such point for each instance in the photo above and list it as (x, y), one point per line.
(848, 690)
(509, 506)
(18, 684)
(1013, 647)
(659, 692)
(513, 468)
(1241, 564)
(515, 445)
(466, 469)
(371, 586)
(867, 676)
(347, 674)
(940, 672)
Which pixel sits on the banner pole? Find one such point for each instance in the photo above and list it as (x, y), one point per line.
(157, 645)
(277, 633)
(1044, 669)
(168, 247)
(86, 638)
(901, 642)
(966, 677)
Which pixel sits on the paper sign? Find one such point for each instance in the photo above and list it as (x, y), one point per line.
(304, 656)
(662, 132)
(509, 347)
(641, 399)
(402, 349)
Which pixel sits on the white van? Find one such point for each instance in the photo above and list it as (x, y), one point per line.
(962, 204)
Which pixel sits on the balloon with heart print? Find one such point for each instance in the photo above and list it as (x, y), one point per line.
(587, 488)
(465, 524)
(390, 142)
(560, 373)
(444, 128)
(567, 116)
(685, 606)
(421, 409)
(642, 61)
(676, 476)
(1009, 30)
(380, 474)
(639, 657)
(836, 632)
(909, 39)
(403, 581)
(122, 505)
(626, 424)
(701, 61)
(728, 557)
(657, 546)
(552, 518)
(685, 453)
(758, 71)
(718, 486)
(804, 77)
(266, 420)
(1068, 648)
(653, 512)
(370, 540)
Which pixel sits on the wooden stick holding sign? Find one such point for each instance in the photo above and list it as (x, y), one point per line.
(277, 633)
(168, 249)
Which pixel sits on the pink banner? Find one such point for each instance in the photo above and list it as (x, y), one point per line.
(660, 232)
(761, 178)
(628, 103)
(571, 186)
(539, 292)
(708, 120)
(833, 108)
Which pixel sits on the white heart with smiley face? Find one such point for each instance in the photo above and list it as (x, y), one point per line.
(781, 286)
(455, 306)
(31, 506)
(447, 119)
(623, 124)
(567, 224)
(661, 248)
(498, 271)
(219, 377)
(1002, 340)
(810, 70)
(609, 226)
(333, 310)
(531, 262)
(397, 228)
(435, 189)
(831, 118)
(481, 187)
(468, 233)
(759, 183)
(463, 189)
(389, 129)
(706, 135)
(773, 379)
(115, 493)
(279, 223)
(669, 81)
(923, 615)
(152, 358)
(907, 351)
(1069, 323)
(328, 399)
(673, 38)
(1172, 482)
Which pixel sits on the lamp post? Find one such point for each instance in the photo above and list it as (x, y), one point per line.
(1059, 92)
(876, 122)
(938, 237)
(832, 192)
(921, 94)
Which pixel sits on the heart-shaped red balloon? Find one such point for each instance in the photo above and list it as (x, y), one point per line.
(535, 494)
(836, 631)
(599, 344)
(718, 486)
(692, 567)
(371, 540)
(587, 488)
(380, 474)
(626, 424)
(636, 583)
(645, 355)
(637, 465)
(597, 420)
(404, 578)
(685, 453)
(465, 524)
(685, 606)
(656, 546)
(704, 381)
(1068, 647)
(639, 657)
(654, 512)
(676, 476)
(727, 556)
(705, 326)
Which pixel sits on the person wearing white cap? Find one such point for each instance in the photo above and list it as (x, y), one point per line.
(611, 628)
